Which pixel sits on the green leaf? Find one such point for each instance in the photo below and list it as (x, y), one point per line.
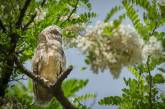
(112, 100)
(158, 78)
(132, 14)
(162, 70)
(70, 87)
(142, 3)
(85, 97)
(83, 69)
(113, 11)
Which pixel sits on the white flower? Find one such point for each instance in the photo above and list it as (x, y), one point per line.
(41, 14)
(152, 48)
(74, 16)
(122, 48)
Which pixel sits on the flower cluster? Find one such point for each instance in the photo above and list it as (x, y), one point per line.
(122, 47)
(41, 14)
(152, 48)
(73, 16)
(69, 34)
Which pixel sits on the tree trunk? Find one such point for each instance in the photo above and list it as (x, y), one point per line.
(8, 64)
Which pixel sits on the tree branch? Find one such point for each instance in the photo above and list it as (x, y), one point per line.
(43, 2)
(150, 83)
(55, 88)
(32, 17)
(153, 31)
(30, 21)
(22, 13)
(74, 9)
(22, 78)
(8, 67)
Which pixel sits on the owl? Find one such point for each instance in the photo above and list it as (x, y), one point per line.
(48, 61)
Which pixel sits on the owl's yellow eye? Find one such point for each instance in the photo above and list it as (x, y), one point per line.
(55, 32)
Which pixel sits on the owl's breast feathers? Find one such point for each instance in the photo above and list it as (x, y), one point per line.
(48, 63)
(51, 61)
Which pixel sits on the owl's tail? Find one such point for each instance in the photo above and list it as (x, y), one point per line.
(42, 94)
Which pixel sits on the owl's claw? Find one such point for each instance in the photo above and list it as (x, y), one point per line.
(47, 82)
(44, 80)
(38, 76)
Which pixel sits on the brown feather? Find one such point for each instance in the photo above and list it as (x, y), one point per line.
(48, 61)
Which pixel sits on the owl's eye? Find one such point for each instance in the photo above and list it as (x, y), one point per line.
(56, 32)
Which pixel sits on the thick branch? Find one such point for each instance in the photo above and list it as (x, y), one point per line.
(22, 13)
(74, 9)
(8, 67)
(56, 87)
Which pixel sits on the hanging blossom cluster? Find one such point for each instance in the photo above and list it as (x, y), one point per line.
(69, 34)
(41, 14)
(122, 47)
(152, 48)
(73, 16)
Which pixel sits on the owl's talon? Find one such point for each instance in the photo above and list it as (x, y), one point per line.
(38, 77)
(49, 84)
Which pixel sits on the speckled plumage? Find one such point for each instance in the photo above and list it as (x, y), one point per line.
(48, 61)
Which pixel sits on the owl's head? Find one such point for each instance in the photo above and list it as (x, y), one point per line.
(50, 33)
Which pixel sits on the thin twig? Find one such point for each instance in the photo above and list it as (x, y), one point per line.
(32, 17)
(22, 78)
(22, 13)
(161, 90)
(154, 29)
(150, 83)
(74, 9)
(30, 21)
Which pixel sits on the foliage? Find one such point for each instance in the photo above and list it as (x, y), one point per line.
(20, 26)
(72, 86)
(20, 23)
(142, 92)
(19, 92)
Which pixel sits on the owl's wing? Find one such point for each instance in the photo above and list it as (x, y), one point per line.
(39, 91)
(63, 63)
(37, 58)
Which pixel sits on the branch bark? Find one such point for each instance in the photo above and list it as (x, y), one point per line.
(55, 88)
(22, 13)
(150, 84)
(74, 9)
(8, 66)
